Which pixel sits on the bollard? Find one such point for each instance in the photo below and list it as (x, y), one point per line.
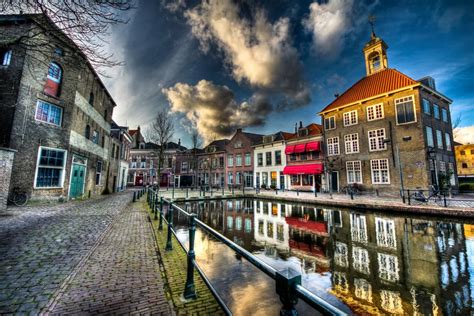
(134, 196)
(445, 203)
(276, 191)
(409, 201)
(172, 193)
(352, 195)
(211, 191)
(222, 190)
(189, 289)
(160, 226)
(377, 192)
(232, 190)
(403, 197)
(169, 246)
(315, 193)
(187, 192)
(297, 192)
(286, 281)
(155, 208)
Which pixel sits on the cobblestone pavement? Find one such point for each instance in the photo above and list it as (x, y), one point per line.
(122, 274)
(40, 246)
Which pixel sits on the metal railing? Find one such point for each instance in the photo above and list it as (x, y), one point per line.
(288, 281)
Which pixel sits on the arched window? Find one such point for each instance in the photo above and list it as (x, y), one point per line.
(88, 132)
(91, 98)
(375, 62)
(53, 80)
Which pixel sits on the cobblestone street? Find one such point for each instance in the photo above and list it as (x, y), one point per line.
(55, 256)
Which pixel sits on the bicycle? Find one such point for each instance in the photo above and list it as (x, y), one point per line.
(17, 197)
(350, 188)
(434, 196)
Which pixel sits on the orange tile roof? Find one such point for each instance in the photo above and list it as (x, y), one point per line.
(313, 130)
(379, 83)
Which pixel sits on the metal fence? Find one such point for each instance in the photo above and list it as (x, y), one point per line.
(435, 198)
(287, 281)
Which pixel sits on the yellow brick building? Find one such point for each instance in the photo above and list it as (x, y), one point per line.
(465, 162)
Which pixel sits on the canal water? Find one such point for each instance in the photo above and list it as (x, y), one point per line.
(360, 261)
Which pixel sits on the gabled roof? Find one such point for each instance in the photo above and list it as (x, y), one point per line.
(172, 145)
(313, 130)
(254, 138)
(132, 132)
(219, 144)
(379, 83)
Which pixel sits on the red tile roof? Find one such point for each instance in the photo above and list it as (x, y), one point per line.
(379, 83)
(132, 132)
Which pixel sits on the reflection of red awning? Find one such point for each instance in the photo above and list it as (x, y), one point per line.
(289, 149)
(314, 250)
(300, 148)
(313, 146)
(316, 227)
(314, 168)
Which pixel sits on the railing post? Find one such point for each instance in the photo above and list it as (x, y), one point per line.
(243, 189)
(352, 195)
(187, 192)
(315, 193)
(134, 196)
(222, 190)
(445, 203)
(189, 289)
(409, 201)
(286, 281)
(156, 206)
(172, 193)
(232, 190)
(276, 191)
(169, 245)
(297, 192)
(403, 197)
(160, 226)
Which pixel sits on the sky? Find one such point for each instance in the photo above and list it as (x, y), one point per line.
(219, 65)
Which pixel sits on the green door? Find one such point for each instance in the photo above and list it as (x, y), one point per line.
(77, 180)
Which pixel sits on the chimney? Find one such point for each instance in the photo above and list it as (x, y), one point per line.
(179, 142)
(296, 128)
(301, 124)
(239, 130)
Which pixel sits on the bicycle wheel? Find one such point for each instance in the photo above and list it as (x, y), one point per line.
(20, 199)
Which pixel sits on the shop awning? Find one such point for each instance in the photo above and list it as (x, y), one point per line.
(300, 148)
(319, 228)
(313, 146)
(289, 149)
(315, 168)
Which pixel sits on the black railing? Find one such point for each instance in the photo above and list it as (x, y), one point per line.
(288, 281)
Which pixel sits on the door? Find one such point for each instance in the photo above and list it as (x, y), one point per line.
(335, 181)
(76, 188)
(282, 181)
(139, 180)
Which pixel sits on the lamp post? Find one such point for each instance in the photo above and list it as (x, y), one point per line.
(400, 169)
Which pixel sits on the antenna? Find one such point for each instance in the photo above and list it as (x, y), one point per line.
(372, 20)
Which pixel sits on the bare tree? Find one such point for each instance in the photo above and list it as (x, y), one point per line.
(86, 23)
(455, 124)
(160, 133)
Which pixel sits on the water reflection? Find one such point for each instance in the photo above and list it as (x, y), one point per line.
(368, 262)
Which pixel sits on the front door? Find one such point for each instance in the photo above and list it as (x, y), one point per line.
(76, 188)
(335, 181)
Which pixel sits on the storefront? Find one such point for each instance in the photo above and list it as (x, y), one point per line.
(305, 177)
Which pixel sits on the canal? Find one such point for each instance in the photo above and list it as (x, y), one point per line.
(362, 262)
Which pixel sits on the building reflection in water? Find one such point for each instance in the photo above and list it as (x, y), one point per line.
(373, 263)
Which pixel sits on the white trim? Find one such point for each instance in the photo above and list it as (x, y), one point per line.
(379, 170)
(333, 146)
(50, 104)
(37, 167)
(412, 96)
(368, 138)
(351, 141)
(374, 106)
(327, 118)
(353, 170)
(349, 116)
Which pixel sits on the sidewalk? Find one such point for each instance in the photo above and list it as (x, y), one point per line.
(120, 276)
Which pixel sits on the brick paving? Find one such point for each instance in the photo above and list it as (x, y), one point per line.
(121, 275)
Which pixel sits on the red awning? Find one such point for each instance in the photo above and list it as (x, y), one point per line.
(289, 149)
(319, 228)
(313, 146)
(314, 168)
(300, 148)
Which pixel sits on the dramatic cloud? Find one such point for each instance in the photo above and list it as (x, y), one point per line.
(329, 23)
(464, 135)
(213, 109)
(256, 51)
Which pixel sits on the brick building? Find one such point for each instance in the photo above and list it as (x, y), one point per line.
(388, 127)
(121, 148)
(56, 112)
(186, 171)
(465, 162)
(211, 164)
(304, 159)
(240, 162)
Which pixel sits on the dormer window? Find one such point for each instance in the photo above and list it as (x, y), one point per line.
(211, 149)
(268, 139)
(5, 56)
(53, 80)
(238, 144)
(303, 132)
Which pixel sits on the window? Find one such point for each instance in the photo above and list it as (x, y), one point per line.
(375, 61)
(105, 115)
(48, 113)
(350, 118)
(260, 159)
(238, 144)
(464, 165)
(380, 172)
(472, 151)
(184, 166)
(375, 112)
(303, 156)
(50, 168)
(436, 111)
(360, 260)
(447, 139)
(265, 178)
(463, 153)
(230, 161)
(303, 132)
(354, 171)
(363, 290)
(248, 159)
(351, 143)
(444, 115)
(376, 139)
(238, 178)
(221, 162)
(442, 167)
(95, 137)
(358, 228)
(238, 160)
(143, 163)
(268, 158)
(439, 139)
(230, 178)
(405, 108)
(91, 98)
(98, 172)
(53, 80)
(278, 157)
(103, 142)
(388, 267)
(5, 56)
(340, 255)
(87, 132)
(429, 137)
(385, 232)
(426, 107)
(330, 123)
(333, 146)
(391, 302)
(292, 157)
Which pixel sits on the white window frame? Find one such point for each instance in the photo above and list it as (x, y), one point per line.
(7, 57)
(379, 140)
(99, 172)
(183, 164)
(373, 109)
(396, 101)
(350, 118)
(429, 136)
(426, 102)
(444, 115)
(230, 160)
(248, 161)
(385, 232)
(358, 228)
(341, 255)
(447, 140)
(361, 260)
(230, 178)
(351, 143)
(238, 160)
(377, 170)
(333, 146)
(388, 267)
(363, 289)
(38, 166)
(439, 139)
(350, 168)
(49, 111)
(329, 120)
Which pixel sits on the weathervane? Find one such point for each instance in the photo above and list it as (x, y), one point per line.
(372, 20)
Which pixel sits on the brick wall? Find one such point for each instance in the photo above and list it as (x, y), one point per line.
(6, 163)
